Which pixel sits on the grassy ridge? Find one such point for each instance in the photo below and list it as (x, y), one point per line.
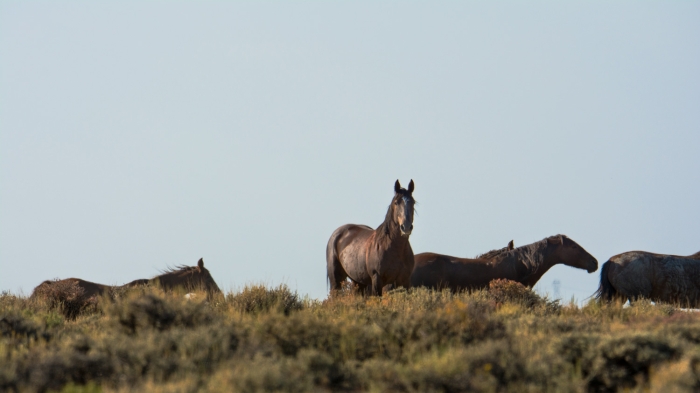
(268, 339)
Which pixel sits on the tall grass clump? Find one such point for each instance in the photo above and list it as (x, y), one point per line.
(258, 298)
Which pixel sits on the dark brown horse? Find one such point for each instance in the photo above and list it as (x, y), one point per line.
(525, 265)
(640, 274)
(188, 277)
(378, 259)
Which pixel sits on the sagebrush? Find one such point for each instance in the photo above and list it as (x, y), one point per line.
(506, 339)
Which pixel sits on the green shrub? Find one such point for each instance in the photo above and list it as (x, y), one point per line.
(152, 311)
(258, 298)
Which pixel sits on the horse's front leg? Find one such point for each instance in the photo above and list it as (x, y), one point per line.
(404, 281)
(376, 284)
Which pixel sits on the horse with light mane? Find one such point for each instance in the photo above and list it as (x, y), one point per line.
(525, 264)
(375, 259)
(658, 277)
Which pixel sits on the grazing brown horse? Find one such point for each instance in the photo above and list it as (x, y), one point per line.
(378, 259)
(525, 265)
(188, 277)
(640, 274)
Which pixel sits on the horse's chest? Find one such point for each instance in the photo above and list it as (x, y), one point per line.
(389, 261)
(378, 254)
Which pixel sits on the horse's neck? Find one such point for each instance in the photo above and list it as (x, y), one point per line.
(388, 232)
(390, 238)
(537, 259)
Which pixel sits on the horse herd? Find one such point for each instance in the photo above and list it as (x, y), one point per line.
(381, 259)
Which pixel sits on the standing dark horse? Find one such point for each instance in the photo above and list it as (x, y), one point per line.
(382, 258)
(526, 265)
(636, 274)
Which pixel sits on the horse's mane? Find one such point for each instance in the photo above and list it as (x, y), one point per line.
(188, 276)
(531, 254)
(493, 253)
(182, 269)
(176, 269)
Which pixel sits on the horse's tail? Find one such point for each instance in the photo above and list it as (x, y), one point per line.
(336, 275)
(605, 291)
(331, 258)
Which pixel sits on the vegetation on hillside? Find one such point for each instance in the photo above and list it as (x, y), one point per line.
(270, 339)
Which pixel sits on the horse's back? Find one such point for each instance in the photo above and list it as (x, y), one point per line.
(443, 271)
(660, 277)
(429, 270)
(91, 288)
(88, 288)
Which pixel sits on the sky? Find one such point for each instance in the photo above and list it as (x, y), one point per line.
(140, 135)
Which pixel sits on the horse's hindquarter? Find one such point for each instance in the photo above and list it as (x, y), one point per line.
(677, 279)
(90, 288)
(351, 250)
(633, 274)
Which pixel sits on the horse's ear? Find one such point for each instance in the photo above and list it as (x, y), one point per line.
(511, 245)
(200, 263)
(555, 240)
(397, 186)
(410, 186)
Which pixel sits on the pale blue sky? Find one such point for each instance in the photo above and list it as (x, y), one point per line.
(136, 135)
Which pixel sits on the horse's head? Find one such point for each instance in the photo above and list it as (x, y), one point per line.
(202, 279)
(571, 254)
(188, 277)
(402, 207)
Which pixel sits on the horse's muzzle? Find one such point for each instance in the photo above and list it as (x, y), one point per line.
(593, 266)
(406, 231)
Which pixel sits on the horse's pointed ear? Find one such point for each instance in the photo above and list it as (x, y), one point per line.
(200, 263)
(411, 186)
(397, 186)
(555, 240)
(511, 245)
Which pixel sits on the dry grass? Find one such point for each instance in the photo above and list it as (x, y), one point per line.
(269, 339)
